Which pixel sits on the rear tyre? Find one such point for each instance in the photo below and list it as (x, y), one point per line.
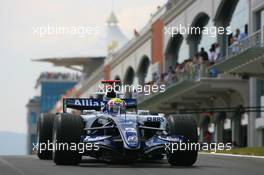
(67, 130)
(186, 126)
(44, 135)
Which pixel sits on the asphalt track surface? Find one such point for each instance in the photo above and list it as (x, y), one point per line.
(205, 165)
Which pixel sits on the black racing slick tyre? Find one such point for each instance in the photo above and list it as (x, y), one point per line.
(186, 126)
(44, 135)
(67, 130)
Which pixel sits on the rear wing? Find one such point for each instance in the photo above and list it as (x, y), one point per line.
(91, 104)
(82, 104)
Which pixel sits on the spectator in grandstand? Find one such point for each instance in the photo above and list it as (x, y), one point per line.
(196, 66)
(235, 41)
(191, 68)
(213, 72)
(182, 67)
(203, 54)
(187, 68)
(63, 76)
(171, 74)
(177, 70)
(212, 55)
(231, 47)
(135, 94)
(240, 35)
(237, 34)
(165, 77)
(217, 51)
(156, 78)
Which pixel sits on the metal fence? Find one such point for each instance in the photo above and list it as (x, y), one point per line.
(253, 40)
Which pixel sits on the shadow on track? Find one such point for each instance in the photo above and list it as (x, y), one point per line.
(93, 163)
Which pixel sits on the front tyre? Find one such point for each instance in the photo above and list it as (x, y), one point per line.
(67, 131)
(44, 135)
(186, 126)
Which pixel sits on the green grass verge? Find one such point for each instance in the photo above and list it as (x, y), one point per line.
(255, 151)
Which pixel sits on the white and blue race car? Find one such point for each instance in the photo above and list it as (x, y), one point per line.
(121, 134)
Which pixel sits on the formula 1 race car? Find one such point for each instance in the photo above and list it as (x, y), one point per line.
(114, 130)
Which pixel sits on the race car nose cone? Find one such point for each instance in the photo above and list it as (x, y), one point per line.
(132, 139)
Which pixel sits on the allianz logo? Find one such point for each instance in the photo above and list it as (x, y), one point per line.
(88, 102)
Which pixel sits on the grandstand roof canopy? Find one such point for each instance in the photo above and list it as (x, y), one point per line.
(72, 62)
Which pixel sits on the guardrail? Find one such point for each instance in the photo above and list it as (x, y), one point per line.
(253, 40)
(194, 73)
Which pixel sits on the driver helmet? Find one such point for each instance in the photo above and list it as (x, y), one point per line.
(110, 93)
(116, 105)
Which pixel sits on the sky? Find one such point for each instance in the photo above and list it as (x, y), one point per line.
(19, 44)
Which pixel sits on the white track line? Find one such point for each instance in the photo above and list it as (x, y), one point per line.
(232, 155)
(13, 167)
